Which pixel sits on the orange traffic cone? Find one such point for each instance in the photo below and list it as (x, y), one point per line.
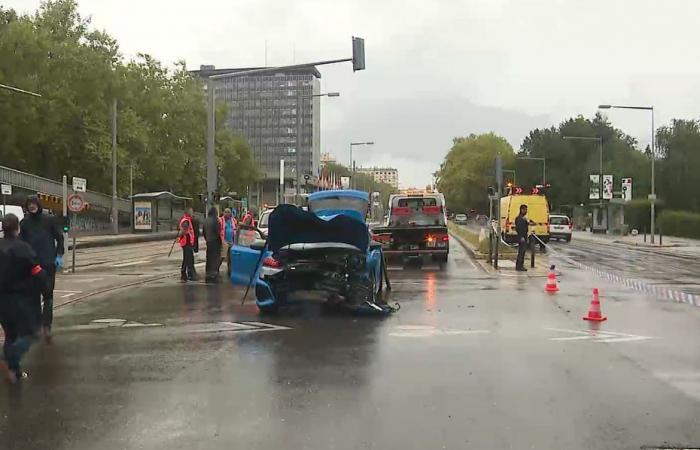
(594, 312)
(551, 285)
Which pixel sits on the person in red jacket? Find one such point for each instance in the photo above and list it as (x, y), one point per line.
(186, 237)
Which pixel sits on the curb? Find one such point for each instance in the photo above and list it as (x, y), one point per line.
(470, 251)
(110, 242)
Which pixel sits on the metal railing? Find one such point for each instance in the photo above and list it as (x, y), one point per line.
(40, 184)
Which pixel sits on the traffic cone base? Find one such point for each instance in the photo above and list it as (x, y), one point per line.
(594, 312)
(551, 285)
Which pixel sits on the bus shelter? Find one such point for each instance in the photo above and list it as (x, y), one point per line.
(157, 211)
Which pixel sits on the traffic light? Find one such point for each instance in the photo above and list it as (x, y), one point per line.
(358, 54)
(66, 224)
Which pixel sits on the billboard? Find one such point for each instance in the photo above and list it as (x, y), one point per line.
(607, 187)
(142, 216)
(594, 187)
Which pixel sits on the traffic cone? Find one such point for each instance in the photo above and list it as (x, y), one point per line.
(551, 285)
(594, 312)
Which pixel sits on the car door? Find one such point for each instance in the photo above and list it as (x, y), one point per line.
(245, 254)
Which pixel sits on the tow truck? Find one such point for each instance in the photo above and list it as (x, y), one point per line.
(416, 228)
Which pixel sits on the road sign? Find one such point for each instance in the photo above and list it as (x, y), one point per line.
(79, 184)
(627, 189)
(6, 189)
(594, 187)
(607, 187)
(75, 203)
(652, 197)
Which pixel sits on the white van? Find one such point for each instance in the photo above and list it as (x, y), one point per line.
(10, 209)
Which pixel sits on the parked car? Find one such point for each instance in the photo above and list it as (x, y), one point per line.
(482, 220)
(560, 227)
(461, 219)
(264, 220)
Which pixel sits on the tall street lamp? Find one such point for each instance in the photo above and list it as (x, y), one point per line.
(600, 147)
(352, 162)
(652, 196)
(300, 115)
(544, 166)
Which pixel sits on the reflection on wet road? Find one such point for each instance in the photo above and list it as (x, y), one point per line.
(470, 361)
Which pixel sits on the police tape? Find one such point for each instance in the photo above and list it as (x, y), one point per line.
(637, 285)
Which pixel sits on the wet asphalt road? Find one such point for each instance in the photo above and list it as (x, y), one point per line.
(470, 361)
(655, 266)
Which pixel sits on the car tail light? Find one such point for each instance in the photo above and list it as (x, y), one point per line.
(432, 210)
(445, 238)
(401, 211)
(271, 262)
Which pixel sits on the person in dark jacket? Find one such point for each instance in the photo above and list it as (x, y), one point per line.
(521, 227)
(212, 235)
(21, 277)
(44, 235)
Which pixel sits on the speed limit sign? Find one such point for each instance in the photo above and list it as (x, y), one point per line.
(75, 203)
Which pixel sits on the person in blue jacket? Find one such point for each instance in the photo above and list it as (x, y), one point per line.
(44, 235)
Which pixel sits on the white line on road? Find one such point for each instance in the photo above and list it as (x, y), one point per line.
(597, 336)
(132, 263)
(66, 293)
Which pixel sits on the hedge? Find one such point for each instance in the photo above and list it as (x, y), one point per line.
(680, 223)
(637, 213)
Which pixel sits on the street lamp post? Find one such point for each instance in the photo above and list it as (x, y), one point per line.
(300, 115)
(544, 166)
(352, 162)
(652, 196)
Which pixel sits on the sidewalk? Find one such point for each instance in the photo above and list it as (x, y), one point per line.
(668, 241)
(118, 239)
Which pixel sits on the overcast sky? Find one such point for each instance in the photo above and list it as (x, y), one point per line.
(437, 69)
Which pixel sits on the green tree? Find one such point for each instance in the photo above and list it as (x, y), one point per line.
(79, 72)
(468, 169)
(679, 164)
(363, 181)
(570, 162)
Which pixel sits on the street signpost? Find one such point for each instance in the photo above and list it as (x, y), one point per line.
(75, 203)
(627, 189)
(79, 184)
(594, 187)
(607, 187)
(6, 190)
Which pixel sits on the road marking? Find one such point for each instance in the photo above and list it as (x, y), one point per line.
(424, 331)
(597, 336)
(87, 280)
(110, 323)
(132, 263)
(66, 293)
(238, 327)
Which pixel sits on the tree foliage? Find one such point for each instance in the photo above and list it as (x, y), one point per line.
(468, 169)
(679, 164)
(570, 162)
(79, 71)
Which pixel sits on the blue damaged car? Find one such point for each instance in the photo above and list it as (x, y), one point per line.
(326, 249)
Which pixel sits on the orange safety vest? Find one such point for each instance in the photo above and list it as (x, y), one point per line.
(222, 227)
(189, 234)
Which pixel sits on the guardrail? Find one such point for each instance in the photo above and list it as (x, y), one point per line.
(47, 186)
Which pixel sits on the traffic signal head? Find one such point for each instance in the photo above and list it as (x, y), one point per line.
(358, 54)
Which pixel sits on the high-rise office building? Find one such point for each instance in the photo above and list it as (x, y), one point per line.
(264, 109)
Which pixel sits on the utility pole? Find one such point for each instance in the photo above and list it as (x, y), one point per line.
(131, 192)
(115, 211)
(211, 154)
(297, 155)
(65, 213)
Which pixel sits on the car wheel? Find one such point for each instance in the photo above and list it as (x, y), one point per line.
(568, 239)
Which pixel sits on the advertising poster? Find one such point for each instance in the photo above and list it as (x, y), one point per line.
(142, 216)
(594, 187)
(607, 187)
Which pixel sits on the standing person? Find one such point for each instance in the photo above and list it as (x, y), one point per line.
(227, 228)
(44, 236)
(247, 218)
(212, 235)
(21, 278)
(521, 227)
(187, 241)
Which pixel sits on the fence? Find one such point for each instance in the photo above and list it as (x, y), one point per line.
(39, 184)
